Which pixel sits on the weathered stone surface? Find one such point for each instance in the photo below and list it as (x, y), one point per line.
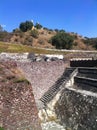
(77, 109)
(42, 75)
(17, 105)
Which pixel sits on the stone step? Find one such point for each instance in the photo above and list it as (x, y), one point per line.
(45, 100)
(56, 87)
(90, 81)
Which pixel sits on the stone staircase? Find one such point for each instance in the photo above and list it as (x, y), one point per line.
(87, 72)
(86, 79)
(49, 95)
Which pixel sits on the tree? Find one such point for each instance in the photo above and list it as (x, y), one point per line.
(25, 26)
(38, 26)
(62, 40)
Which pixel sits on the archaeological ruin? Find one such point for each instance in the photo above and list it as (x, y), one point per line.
(55, 89)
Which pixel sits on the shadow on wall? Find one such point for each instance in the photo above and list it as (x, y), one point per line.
(83, 63)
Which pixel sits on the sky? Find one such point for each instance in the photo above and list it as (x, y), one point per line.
(79, 16)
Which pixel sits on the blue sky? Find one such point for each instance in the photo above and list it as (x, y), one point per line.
(79, 16)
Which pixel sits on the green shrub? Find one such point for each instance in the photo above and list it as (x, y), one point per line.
(91, 41)
(38, 26)
(34, 33)
(1, 128)
(16, 30)
(28, 41)
(75, 43)
(41, 42)
(21, 80)
(62, 40)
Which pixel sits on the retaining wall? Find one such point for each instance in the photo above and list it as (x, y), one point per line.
(77, 109)
(42, 75)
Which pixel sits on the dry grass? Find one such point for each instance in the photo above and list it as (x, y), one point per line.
(19, 48)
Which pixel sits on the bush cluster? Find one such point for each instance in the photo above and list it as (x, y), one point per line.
(62, 40)
(34, 33)
(91, 41)
(25, 26)
(38, 26)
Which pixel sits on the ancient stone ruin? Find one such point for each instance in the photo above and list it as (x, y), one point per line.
(63, 93)
(77, 104)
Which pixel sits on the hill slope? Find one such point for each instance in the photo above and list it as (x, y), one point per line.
(42, 38)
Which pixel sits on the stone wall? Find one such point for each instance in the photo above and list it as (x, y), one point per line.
(77, 109)
(42, 75)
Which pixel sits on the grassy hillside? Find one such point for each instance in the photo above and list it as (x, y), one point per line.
(42, 38)
(35, 38)
(19, 48)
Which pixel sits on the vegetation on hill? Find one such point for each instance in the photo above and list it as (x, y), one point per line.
(91, 42)
(25, 26)
(39, 36)
(62, 40)
(38, 26)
